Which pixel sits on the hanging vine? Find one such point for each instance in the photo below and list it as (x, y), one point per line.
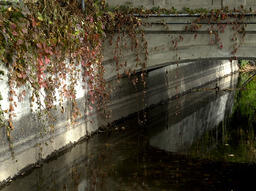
(1, 112)
(48, 50)
(47, 45)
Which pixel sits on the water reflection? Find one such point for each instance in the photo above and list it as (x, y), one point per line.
(199, 112)
(234, 138)
(195, 142)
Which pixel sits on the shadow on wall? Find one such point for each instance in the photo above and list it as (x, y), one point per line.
(188, 117)
(34, 139)
(85, 166)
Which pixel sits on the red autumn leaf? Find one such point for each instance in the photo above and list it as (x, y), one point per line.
(40, 62)
(10, 98)
(24, 30)
(14, 33)
(19, 42)
(13, 26)
(11, 108)
(46, 60)
(19, 75)
(23, 92)
(24, 76)
(11, 126)
(39, 45)
(34, 23)
(91, 108)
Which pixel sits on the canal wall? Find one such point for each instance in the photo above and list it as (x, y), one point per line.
(79, 167)
(34, 139)
(187, 119)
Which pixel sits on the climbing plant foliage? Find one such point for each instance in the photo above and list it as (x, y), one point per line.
(47, 45)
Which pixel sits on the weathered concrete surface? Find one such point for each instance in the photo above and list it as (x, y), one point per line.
(193, 115)
(177, 4)
(162, 31)
(169, 81)
(78, 168)
(33, 139)
(238, 3)
(180, 4)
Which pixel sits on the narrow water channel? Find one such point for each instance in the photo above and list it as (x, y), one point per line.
(204, 140)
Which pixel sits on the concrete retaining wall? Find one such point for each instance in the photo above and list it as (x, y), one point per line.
(198, 113)
(33, 140)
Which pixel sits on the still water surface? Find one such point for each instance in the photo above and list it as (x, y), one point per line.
(204, 140)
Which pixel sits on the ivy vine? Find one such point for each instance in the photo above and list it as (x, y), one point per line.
(45, 44)
(1, 111)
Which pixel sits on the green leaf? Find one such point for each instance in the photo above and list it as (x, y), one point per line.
(40, 17)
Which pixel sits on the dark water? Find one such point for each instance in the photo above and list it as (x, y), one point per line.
(204, 140)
